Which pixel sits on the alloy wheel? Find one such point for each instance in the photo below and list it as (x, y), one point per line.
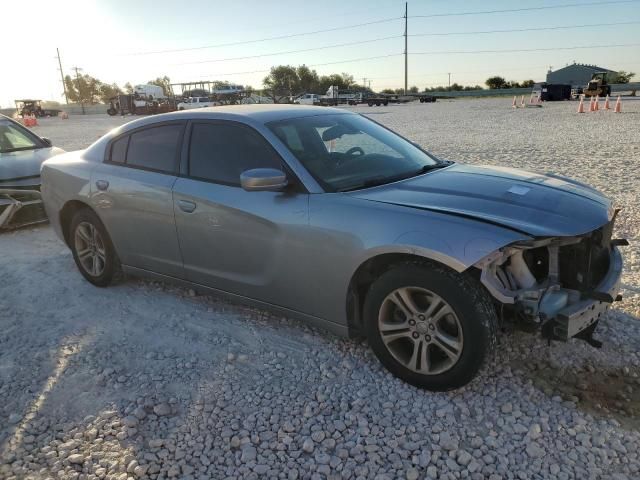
(420, 330)
(90, 249)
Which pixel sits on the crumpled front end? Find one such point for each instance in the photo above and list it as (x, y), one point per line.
(560, 285)
(20, 207)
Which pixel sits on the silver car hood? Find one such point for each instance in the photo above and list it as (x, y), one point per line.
(536, 204)
(23, 167)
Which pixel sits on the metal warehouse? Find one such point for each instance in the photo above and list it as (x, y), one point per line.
(575, 75)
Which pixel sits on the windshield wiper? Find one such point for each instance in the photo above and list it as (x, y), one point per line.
(18, 149)
(435, 166)
(382, 180)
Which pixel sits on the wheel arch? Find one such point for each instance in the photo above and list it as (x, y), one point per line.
(69, 209)
(374, 266)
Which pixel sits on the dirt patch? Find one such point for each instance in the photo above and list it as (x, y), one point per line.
(601, 393)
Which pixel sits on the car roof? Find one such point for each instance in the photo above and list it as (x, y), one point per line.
(262, 113)
(4, 117)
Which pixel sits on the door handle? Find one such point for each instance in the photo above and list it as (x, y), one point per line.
(186, 206)
(102, 185)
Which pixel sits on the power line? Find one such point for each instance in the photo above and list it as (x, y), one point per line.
(360, 59)
(375, 22)
(360, 42)
(534, 29)
(266, 39)
(445, 52)
(292, 51)
(463, 52)
(526, 9)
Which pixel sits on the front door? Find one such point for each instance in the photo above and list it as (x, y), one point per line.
(132, 195)
(247, 243)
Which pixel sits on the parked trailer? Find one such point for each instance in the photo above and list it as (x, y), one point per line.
(552, 92)
(427, 99)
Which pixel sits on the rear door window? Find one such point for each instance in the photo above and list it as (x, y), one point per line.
(155, 148)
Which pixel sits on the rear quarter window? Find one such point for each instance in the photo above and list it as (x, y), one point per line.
(119, 150)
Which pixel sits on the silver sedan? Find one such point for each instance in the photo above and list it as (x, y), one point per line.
(324, 215)
(21, 155)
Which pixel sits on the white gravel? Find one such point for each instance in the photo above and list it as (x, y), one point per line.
(145, 380)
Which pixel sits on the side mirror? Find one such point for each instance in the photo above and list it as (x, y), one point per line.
(47, 142)
(263, 179)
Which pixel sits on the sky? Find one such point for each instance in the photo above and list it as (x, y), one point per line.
(203, 40)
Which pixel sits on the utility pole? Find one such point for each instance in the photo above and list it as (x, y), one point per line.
(449, 80)
(406, 61)
(77, 69)
(64, 86)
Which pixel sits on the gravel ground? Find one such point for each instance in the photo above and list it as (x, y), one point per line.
(145, 380)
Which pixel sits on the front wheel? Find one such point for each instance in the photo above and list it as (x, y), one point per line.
(93, 250)
(430, 326)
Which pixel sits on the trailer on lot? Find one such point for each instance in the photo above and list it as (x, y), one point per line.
(134, 104)
(551, 92)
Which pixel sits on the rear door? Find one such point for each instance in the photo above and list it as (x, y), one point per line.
(247, 243)
(134, 200)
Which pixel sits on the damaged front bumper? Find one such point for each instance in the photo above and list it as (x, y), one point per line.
(578, 317)
(559, 286)
(20, 207)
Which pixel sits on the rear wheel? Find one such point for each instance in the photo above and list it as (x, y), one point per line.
(93, 250)
(429, 325)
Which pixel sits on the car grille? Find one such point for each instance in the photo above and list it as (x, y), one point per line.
(584, 264)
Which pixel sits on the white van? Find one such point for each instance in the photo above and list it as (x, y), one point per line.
(197, 102)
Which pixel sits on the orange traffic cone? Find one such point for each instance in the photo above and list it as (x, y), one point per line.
(581, 105)
(513, 105)
(606, 103)
(596, 104)
(618, 107)
(592, 107)
(522, 102)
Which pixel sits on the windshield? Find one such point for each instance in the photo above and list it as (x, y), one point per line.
(12, 138)
(347, 152)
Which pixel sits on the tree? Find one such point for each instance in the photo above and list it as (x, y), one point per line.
(623, 77)
(282, 82)
(164, 82)
(109, 91)
(496, 82)
(128, 88)
(83, 89)
(413, 89)
(389, 91)
(527, 84)
(308, 80)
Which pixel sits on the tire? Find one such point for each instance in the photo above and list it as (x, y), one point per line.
(469, 323)
(83, 225)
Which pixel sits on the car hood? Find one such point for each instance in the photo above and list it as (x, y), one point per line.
(23, 167)
(533, 203)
